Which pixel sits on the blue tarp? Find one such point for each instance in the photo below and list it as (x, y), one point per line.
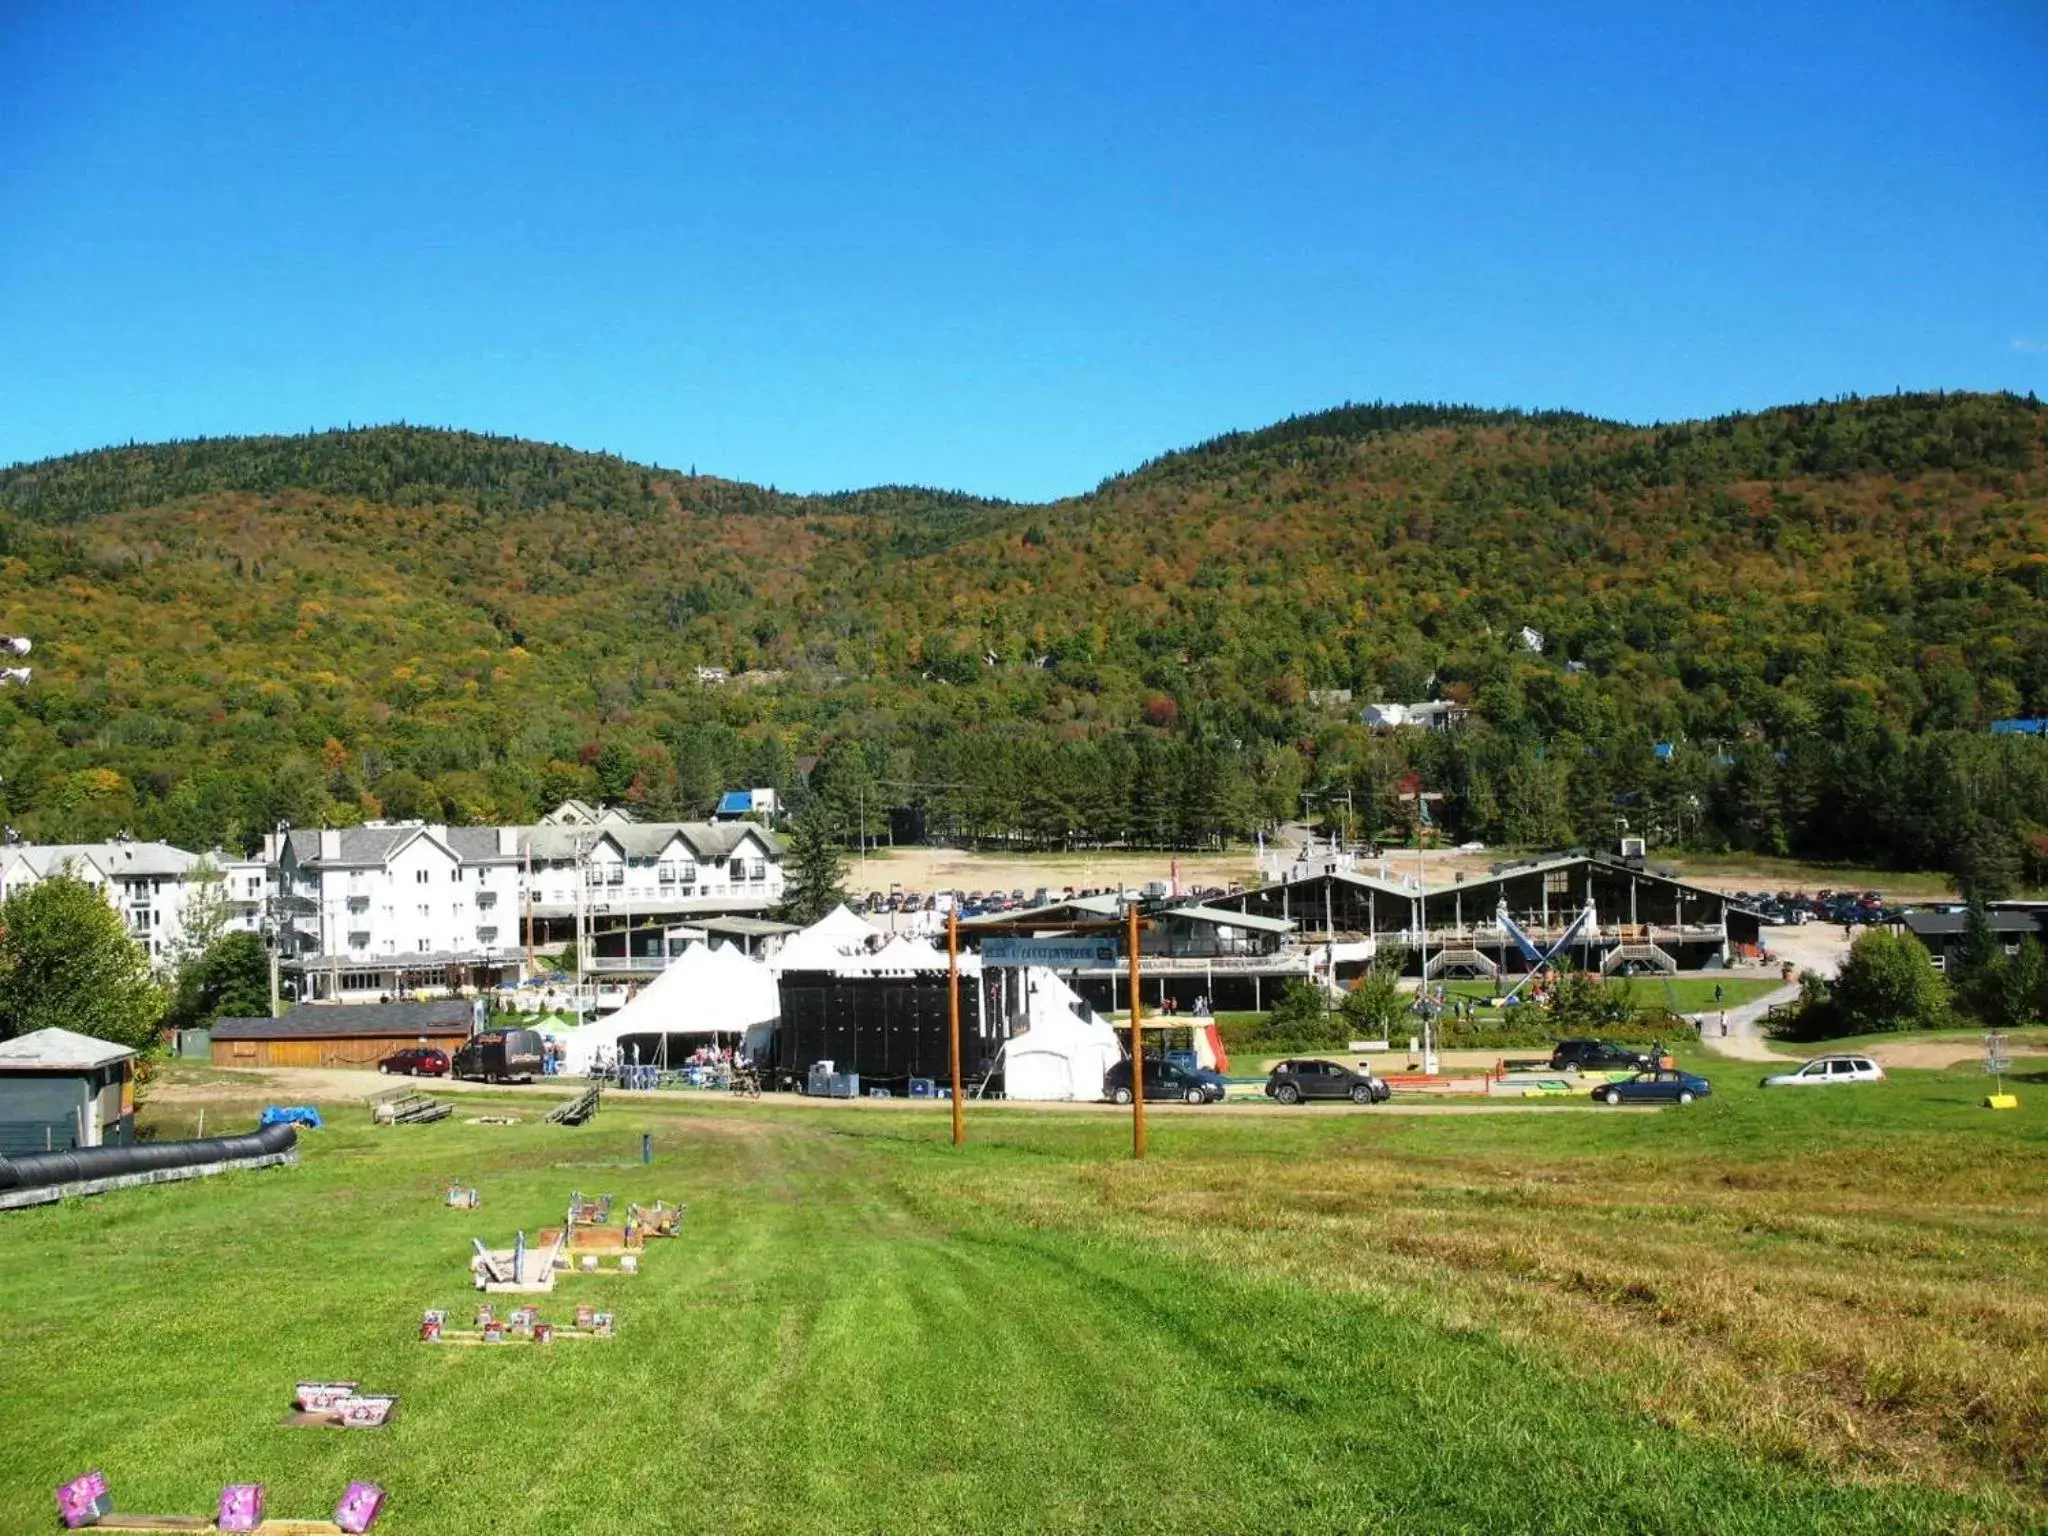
(734, 802)
(292, 1114)
(2035, 726)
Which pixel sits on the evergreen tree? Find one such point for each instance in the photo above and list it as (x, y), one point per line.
(814, 868)
(1974, 975)
(616, 770)
(66, 963)
(845, 785)
(1987, 861)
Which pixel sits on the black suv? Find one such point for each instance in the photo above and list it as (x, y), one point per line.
(1597, 1056)
(1295, 1082)
(1164, 1080)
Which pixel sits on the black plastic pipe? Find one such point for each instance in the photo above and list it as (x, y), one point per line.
(42, 1168)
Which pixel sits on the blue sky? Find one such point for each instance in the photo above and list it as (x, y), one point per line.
(1010, 249)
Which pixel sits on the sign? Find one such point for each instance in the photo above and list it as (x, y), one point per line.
(1060, 954)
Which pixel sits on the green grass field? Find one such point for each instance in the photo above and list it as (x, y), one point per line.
(1819, 1312)
(2031, 1037)
(1681, 994)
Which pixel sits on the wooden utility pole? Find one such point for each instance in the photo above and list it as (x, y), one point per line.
(953, 1021)
(1137, 1039)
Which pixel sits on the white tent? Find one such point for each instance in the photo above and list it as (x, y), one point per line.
(704, 991)
(905, 954)
(827, 943)
(1066, 1049)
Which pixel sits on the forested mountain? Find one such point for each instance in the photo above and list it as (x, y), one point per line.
(1819, 609)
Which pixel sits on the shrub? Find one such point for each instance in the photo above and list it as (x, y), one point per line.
(1887, 983)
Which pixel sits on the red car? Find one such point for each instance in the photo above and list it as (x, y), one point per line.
(416, 1061)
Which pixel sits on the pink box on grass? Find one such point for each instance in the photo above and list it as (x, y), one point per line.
(359, 1507)
(241, 1507)
(84, 1500)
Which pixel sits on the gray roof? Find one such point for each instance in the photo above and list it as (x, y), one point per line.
(116, 860)
(446, 1016)
(359, 845)
(1932, 925)
(747, 927)
(1250, 920)
(1084, 909)
(59, 1050)
(1312, 876)
(482, 845)
(1075, 909)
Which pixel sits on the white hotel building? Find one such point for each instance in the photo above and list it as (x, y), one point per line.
(390, 908)
(150, 885)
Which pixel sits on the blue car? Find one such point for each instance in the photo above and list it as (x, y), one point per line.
(1657, 1086)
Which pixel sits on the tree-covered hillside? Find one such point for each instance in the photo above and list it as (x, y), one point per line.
(1818, 610)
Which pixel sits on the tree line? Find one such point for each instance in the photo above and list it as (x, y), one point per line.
(1785, 632)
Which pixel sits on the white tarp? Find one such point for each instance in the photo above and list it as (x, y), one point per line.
(704, 991)
(1066, 1050)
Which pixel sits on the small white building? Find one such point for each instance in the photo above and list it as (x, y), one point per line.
(736, 804)
(60, 1090)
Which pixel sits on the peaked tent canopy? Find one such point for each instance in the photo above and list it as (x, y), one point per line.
(704, 991)
(828, 943)
(1065, 1049)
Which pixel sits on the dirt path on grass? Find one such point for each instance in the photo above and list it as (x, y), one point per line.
(1745, 1040)
(329, 1085)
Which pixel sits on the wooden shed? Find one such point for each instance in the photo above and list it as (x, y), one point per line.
(340, 1034)
(60, 1090)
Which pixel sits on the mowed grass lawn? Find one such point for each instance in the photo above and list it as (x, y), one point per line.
(1681, 994)
(1767, 1313)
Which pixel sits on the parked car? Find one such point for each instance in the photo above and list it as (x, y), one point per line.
(1658, 1086)
(1597, 1056)
(1828, 1069)
(416, 1061)
(1296, 1082)
(1165, 1080)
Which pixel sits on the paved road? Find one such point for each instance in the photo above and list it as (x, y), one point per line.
(1745, 1040)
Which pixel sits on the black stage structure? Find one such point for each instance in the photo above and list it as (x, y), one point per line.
(892, 1028)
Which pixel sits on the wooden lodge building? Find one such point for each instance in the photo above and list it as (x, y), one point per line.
(1328, 920)
(340, 1035)
(1641, 919)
